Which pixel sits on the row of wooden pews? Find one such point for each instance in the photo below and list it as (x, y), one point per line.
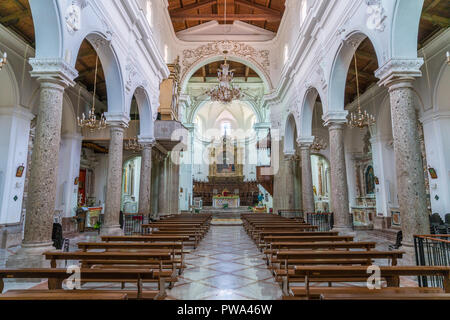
(156, 257)
(308, 264)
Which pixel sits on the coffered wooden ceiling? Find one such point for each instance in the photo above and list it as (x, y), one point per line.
(240, 71)
(265, 14)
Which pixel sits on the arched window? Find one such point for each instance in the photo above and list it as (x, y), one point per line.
(225, 126)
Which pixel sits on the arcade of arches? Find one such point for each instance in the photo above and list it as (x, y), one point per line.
(283, 148)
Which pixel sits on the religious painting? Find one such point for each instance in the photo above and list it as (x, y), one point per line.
(433, 173)
(226, 168)
(396, 219)
(370, 180)
(19, 171)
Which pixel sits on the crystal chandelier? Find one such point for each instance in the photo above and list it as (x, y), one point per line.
(360, 119)
(91, 121)
(318, 144)
(225, 92)
(3, 60)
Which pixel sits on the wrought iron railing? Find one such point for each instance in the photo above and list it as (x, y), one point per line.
(132, 223)
(432, 250)
(291, 213)
(323, 220)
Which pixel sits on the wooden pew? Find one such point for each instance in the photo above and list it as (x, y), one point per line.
(161, 261)
(176, 248)
(53, 295)
(57, 276)
(391, 274)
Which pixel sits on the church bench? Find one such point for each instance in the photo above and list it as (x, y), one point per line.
(256, 233)
(56, 276)
(316, 292)
(266, 235)
(176, 248)
(386, 296)
(391, 274)
(52, 295)
(268, 240)
(274, 247)
(148, 238)
(193, 237)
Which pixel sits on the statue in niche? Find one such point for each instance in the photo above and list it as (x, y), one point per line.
(370, 180)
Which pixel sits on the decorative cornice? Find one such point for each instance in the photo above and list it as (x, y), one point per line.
(399, 68)
(335, 117)
(146, 141)
(53, 69)
(117, 119)
(305, 142)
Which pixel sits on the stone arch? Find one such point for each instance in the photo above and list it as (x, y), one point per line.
(9, 89)
(146, 122)
(441, 94)
(340, 67)
(69, 118)
(290, 134)
(187, 74)
(405, 28)
(48, 28)
(307, 111)
(111, 67)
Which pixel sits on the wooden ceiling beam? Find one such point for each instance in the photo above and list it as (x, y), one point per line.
(195, 6)
(441, 21)
(15, 16)
(255, 6)
(231, 17)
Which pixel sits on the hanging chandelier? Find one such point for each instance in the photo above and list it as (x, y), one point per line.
(3, 60)
(360, 119)
(91, 121)
(318, 144)
(225, 92)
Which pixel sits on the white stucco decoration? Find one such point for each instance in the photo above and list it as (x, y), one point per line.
(376, 15)
(73, 18)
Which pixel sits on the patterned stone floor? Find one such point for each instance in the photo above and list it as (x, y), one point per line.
(226, 266)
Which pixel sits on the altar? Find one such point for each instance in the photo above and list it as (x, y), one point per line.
(220, 201)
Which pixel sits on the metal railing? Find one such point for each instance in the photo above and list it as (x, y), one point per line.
(291, 213)
(132, 223)
(432, 250)
(323, 220)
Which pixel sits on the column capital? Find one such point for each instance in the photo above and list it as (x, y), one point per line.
(53, 70)
(305, 142)
(395, 70)
(117, 119)
(335, 118)
(147, 141)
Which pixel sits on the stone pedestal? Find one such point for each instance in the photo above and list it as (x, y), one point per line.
(111, 224)
(146, 176)
(339, 186)
(307, 184)
(398, 76)
(54, 76)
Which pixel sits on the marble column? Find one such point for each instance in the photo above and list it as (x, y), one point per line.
(339, 185)
(175, 185)
(289, 176)
(40, 205)
(117, 125)
(163, 206)
(307, 184)
(146, 176)
(407, 149)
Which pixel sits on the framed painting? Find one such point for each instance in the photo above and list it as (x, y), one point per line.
(19, 172)
(396, 219)
(433, 173)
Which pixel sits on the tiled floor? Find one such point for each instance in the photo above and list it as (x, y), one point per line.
(226, 266)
